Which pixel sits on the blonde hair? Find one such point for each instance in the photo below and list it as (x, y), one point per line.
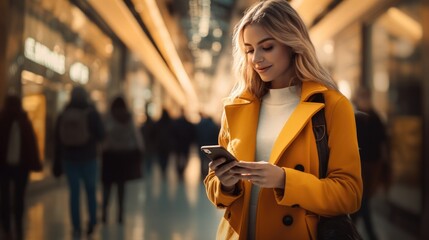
(284, 24)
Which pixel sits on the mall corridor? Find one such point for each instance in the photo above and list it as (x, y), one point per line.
(174, 60)
(156, 209)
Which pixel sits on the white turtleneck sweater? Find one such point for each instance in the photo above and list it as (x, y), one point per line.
(276, 107)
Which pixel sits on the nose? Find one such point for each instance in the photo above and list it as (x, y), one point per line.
(257, 57)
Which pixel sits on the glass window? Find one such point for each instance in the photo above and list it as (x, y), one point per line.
(396, 83)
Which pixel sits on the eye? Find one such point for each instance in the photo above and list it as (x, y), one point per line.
(267, 49)
(249, 51)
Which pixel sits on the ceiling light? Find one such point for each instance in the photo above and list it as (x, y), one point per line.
(217, 33)
(216, 46)
(126, 27)
(158, 29)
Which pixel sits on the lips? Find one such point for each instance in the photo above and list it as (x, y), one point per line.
(262, 69)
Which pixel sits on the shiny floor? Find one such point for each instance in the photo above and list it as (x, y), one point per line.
(156, 209)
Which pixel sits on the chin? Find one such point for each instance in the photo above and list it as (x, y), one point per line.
(265, 79)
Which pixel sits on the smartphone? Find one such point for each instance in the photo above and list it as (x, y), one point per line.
(214, 152)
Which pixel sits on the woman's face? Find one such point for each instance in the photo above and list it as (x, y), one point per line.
(268, 57)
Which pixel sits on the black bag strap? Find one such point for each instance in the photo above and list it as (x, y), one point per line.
(347, 230)
(321, 135)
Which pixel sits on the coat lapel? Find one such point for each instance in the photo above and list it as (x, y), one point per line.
(298, 119)
(242, 117)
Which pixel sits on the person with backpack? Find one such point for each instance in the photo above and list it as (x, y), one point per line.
(122, 155)
(19, 154)
(78, 131)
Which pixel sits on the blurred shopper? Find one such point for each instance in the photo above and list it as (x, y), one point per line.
(79, 130)
(19, 155)
(274, 190)
(183, 135)
(207, 132)
(122, 155)
(163, 140)
(147, 131)
(372, 145)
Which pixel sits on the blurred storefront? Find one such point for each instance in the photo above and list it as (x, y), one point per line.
(384, 51)
(53, 45)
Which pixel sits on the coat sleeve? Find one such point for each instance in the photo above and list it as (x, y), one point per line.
(341, 191)
(212, 183)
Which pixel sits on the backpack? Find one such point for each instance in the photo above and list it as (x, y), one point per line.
(74, 127)
(120, 136)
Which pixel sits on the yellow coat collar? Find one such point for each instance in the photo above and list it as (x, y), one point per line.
(308, 89)
(242, 115)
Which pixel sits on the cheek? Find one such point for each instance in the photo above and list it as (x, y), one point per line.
(284, 59)
(249, 64)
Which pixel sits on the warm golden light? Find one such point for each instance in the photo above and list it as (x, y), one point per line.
(405, 23)
(126, 27)
(158, 29)
(347, 11)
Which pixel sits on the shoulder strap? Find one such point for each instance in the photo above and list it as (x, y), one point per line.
(321, 135)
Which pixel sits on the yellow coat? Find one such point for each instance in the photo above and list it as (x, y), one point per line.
(292, 213)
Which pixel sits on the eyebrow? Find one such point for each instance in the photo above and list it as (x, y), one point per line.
(261, 41)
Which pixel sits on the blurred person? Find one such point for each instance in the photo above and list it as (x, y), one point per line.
(147, 130)
(183, 136)
(207, 132)
(122, 155)
(163, 140)
(274, 190)
(372, 143)
(78, 132)
(19, 155)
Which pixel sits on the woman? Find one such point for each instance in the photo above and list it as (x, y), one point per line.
(274, 192)
(122, 154)
(19, 155)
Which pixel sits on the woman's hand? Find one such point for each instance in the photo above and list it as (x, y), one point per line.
(227, 178)
(262, 174)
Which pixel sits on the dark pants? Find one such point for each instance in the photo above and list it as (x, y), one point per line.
(107, 186)
(87, 172)
(13, 182)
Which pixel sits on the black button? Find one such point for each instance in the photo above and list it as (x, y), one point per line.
(287, 220)
(299, 167)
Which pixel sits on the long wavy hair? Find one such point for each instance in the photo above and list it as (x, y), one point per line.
(284, 24)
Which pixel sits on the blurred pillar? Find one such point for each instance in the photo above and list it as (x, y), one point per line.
(11, 46)
(15, 45)
(425, 217)
(4, 6)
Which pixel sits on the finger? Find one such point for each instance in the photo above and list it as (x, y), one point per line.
(247, 177)
(213, 165)
(225, 167)
(241, 171)
(228, 178)
(226, 171)
(251, 165)
(247, 171)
